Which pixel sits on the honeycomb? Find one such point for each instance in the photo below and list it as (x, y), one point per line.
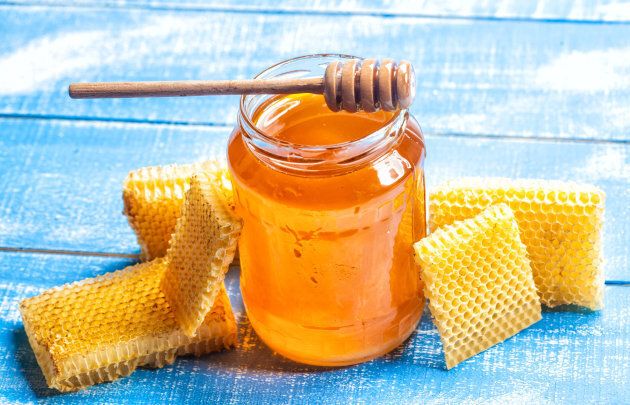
(478, 281)
(102, 328)
(560, 224)
(153, 199)
(202, 248)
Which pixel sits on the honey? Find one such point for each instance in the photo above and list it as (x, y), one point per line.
(331, 204)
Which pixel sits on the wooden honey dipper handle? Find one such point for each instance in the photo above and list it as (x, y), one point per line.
(351, 85)
(195, 88)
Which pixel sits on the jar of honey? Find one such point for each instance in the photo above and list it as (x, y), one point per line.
(331, 203)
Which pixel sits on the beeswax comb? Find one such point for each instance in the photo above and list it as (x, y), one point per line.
(201, 251)
(478, 281)
(102, 328)
(153, 199)
(560, 223)
(351, 85)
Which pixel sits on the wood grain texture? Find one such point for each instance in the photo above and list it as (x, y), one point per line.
(556, 10)
(61, 182)
(524, 79)
(544, 364)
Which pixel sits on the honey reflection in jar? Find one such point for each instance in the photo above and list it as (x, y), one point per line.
(327, 271)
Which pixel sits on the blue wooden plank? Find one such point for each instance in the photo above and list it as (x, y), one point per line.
(61, 182)
(528, 78)
(555, 10)
(568, 357)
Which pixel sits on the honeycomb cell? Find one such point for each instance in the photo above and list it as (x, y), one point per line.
(153, 198)
(475, 316)
(202, 248)
(102, 328)
(561, 226)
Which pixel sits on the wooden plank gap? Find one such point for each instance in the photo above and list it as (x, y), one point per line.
(200, 8)
(529, 138)
(137, 257)
(618, 283)
(142, 121)
(74, 118)
(68, 252)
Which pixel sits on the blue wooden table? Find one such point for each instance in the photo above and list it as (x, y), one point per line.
(539, 88)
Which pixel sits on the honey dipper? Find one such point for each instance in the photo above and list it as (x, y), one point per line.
(351, 85)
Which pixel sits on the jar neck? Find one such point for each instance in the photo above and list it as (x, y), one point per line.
(313, 160)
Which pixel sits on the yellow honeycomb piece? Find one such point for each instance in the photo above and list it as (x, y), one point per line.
(479, 282)
(560, 224)
(102, 328)
(153, 199)
(202, 248)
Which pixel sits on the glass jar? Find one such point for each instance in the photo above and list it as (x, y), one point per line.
(327, 270)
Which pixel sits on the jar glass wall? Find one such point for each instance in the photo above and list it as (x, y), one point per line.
(331, 203)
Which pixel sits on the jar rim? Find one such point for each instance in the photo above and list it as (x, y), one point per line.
(273, 148)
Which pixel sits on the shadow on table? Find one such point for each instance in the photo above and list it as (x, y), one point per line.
(29, 367)
(422, 349)
(575, 309)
